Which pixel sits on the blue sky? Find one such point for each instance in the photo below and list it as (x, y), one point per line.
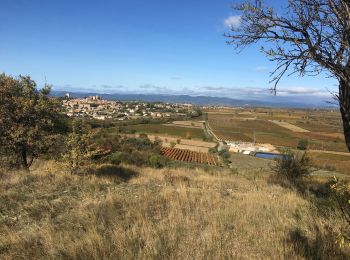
(154, 46)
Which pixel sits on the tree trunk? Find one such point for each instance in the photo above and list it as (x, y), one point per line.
(344, 102)
(24, 159)
(27, 158)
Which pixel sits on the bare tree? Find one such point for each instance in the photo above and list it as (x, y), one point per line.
(309, 37)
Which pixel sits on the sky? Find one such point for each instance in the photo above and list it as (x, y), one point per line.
(138, 46)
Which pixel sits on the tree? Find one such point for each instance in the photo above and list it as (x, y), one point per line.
(27, 120)
(78, 145)
(292, 165)
(303, 144)
(312, 36)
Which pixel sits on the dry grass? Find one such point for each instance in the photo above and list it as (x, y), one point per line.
(162, 214)
(333, 162)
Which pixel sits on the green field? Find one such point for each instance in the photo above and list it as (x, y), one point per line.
(169, 130)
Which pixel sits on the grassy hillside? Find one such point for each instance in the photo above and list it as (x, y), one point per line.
(128, 213)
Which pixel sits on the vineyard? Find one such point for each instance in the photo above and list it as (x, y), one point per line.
(230, 136)
(323, 135)
(190, 156)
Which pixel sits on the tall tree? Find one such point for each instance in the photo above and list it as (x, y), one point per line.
(310, 37)
(27, 120)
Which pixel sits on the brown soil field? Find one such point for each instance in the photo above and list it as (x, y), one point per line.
(193, 145)
(192, 148)
(195, 124)
(325, 132)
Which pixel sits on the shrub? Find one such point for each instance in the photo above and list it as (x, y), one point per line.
(341, 191)
(212, 150)
(137, 158)
(116, 158)
(293, 165)
(303, 144)
(225, 155)
(157, 161)
(143, 136)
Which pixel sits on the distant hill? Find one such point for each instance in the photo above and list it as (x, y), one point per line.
(197, 100)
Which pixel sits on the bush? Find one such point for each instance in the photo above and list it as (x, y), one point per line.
(116, 158)
(293, 165)
(212, 150)
(188, 135)
(137, 158)
(157, 161)
(303, 144)
(225, 155)
(341, 191)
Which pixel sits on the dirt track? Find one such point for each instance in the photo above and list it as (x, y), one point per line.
(330, 152)
(289, 126)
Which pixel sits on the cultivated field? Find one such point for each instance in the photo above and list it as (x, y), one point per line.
(190, 156)
(332, 162)
(322, 128)
(142, 213)
(191, 124)
(289, 126)
(169, 130)
(187, 144)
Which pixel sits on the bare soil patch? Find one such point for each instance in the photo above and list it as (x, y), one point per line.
(193, 124)
(289, 126)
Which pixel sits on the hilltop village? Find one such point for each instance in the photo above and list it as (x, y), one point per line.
(97, 108)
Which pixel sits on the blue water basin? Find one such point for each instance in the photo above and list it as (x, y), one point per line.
(270, 156)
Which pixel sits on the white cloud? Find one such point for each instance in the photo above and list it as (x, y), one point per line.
(302, 91)
(233, 21)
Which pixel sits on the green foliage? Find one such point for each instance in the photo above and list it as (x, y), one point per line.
(157, 161)
(116, 158)
(341, 191)
(212, 150)
(292, 165)
(137, 151)
(30, 121)
(303, 144)
(78, 148)
(225, 155)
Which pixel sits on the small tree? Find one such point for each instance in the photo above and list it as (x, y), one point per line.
(225, 155)
(78, 150)
(28, 120)
(157, 161)
(303, 144)
(292, 165)
(341, 191)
